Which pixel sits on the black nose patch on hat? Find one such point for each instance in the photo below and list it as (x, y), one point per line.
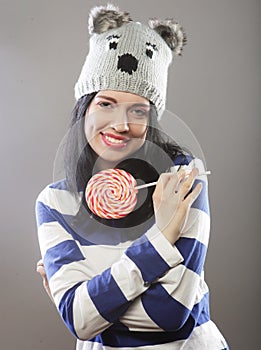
(127, 63)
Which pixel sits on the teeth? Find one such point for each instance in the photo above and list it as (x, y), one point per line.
(113, 140)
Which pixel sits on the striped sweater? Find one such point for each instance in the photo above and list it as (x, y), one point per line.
(114, 292)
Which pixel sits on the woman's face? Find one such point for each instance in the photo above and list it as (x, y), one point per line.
(116, 125)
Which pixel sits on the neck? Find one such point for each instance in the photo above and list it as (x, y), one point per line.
(103, 164)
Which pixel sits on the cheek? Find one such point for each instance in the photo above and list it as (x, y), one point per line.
(87, 128)
(139, 130)
(92, 126)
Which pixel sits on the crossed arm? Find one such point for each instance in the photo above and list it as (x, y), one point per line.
(152, 278)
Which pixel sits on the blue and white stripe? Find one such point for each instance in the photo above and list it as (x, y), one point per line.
(141, 294)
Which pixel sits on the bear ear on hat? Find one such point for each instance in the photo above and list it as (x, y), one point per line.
(104, 18)
(171, 32)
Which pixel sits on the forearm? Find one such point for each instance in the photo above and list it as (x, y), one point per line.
(89, 304)
(180, 295)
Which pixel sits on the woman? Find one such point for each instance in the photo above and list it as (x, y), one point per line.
(136, 281)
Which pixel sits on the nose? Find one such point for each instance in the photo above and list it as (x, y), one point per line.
(120, 122)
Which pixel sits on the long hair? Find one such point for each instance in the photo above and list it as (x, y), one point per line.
(80, 159)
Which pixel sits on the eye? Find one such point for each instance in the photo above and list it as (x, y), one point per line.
(113, 41)
(151, 49)
(138, 113)
(105, 104)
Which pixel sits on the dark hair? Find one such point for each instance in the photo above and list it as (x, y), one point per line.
(80, 158)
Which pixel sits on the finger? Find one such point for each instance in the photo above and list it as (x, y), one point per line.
(192, 174)
(181, 177)
(167, 183)
(172, 184)
(181, 174)
(46, 284)
(188, 182)
(161, 184)
(41, 271)
(174, 181)
(193, 195)
(40, 263)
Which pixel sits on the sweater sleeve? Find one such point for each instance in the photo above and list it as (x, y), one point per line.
(179, 299)
(89, 304)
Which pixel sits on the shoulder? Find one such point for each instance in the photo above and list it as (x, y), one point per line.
(188, 162)
(183, 159)
(49, 190)
(58, 197)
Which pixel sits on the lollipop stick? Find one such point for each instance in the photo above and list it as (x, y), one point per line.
(155, 183)
(146, 185)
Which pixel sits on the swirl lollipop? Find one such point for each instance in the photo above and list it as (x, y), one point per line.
(111, 193)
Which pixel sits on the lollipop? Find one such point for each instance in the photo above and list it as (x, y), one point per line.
(111, 193)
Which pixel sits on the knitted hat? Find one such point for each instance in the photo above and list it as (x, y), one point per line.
(129, 56)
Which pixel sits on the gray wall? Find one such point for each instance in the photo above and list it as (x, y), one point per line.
(214, 88)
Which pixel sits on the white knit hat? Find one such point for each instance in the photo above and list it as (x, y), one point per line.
(129, 56)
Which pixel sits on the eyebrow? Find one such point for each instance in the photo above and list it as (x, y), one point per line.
(115, 101)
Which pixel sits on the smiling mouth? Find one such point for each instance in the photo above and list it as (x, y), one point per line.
(112, 141)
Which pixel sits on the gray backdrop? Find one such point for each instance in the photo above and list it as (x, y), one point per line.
(214, 88)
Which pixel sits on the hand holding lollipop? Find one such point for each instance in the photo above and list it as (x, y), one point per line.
(112, 193)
